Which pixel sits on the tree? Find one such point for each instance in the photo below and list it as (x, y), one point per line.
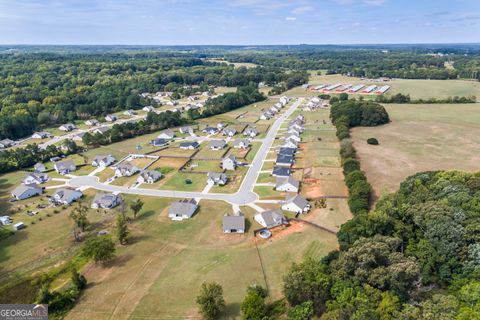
(79, 216)
(99, 248)
(122, 229)
(78, 280)
(136, 206)
(253, 306)
(302, 311)
(210, 300)
(44, 296)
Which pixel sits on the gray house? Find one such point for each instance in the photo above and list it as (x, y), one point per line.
(186, 130)
(210, 130)
(284, 160)
(101, 130)
(25, 191)
(111, 118)
(270, 218)
(103, 161)
(287, 184)
(281, 172)
(167, 134)
(217, 178)
(297, 204)
(41, 135)
(106, 201)
(241, 143)
(65, 196)
(159, 142)
(149, 176)
(217, 144)
(92, 122)
(229, 163)
(126, 170)
(251, 132)
(40, 167)
(67, 127)
(36, 177)
(6, 143)
(234, 224)
(189, 145)
(65, 167)
(182, 209)
(230, 132)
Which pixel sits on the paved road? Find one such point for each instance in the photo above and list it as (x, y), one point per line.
(243, 196)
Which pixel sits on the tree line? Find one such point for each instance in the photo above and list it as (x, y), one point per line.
(405, 98)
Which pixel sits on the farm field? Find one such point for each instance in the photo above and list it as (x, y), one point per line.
(419, 138)
(149, 265)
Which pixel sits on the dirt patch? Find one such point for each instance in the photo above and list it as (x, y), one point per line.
(311, 188)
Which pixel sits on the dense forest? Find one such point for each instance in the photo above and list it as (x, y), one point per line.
(45, 89)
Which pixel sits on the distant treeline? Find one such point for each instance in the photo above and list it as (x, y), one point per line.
(402, 98)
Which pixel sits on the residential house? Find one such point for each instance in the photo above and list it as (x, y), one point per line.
(284, 100)
(210, 130)
(64, 196)
(284, 160)
(217, 178)
(293, 136)
(25, 191)
(281, 172)
(126, 170)
(287, 151)
(217, 144)
(5, 220)
(186, 130)
(149, 176)
(130, 112)
(19, 226)
(92, 122)
(189, 145)
(234, 223)
(229, 163)
(78, 136)
(103, 161)
(167, 134)
(221, 125)
(36, 177)
(265, 116)
(67, 127)
(41, 135)
(206, 94)
(287, 184)
(182, 209)
(296, 203)
(6, 143)
(40, 167)
(106, 201)
(159, 142)
(274, 109)
(250, 132)
(100, 130)
(148, 108)
(289, 144)
(241, 143)
(229, 132)
(65, 167)
(172, 103)
(270, 218)
(192, 98)
(111, 118)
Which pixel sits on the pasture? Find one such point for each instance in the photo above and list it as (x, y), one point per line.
(419, 138)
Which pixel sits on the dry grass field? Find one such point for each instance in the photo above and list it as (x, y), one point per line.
(419, 138)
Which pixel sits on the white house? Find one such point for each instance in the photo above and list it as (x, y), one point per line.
(289, 144)
(229, 132)
(100, 130)
(250, 132)
(103, 161)
(297, 204)
(40, 167)
(210, 130)
(217, 178)
(67, 127)
(36, 177)
(183, 209)
(129, 112)
(64, 196)
(293, 136)
(186, 130)
(111, 118)
(270, 218)
(167, 134)
(41, 135)
(149, 176)
(92, 122)
(287, 184)
(126, 170)
(6, 143)
(229, 163)
(148, 108)
(106, 201)
(241, 143)
(25, 191)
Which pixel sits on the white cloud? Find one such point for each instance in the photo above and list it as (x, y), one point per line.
(302, 9)
(290, 18)
(367, 2)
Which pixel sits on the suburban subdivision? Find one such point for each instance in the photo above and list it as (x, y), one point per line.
(275, 182)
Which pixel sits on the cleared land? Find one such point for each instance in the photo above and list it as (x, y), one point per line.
(419, 138)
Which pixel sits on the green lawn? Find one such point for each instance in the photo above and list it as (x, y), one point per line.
(177, 182)
(204, 166)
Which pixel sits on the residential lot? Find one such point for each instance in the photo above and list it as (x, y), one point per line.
(419, 138)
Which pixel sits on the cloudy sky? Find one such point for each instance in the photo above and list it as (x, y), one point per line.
(174, 22)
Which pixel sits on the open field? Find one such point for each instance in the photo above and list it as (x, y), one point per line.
(178, 182)
(419, 138)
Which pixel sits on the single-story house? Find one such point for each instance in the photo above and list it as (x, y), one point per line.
(111, 118)
(241, 143)
(229, 163)
(182, 209)
(217, 144)
(25, 191)
(230, 132)
(100, 130)
(106, 201)
(36, 177)
(92, 122)
(287, 151)
(103, 161)
(266, 116)
(284, 160)
(293, 136)
(210, 130)
(167, 134)
(270, 218)
(281, 172)
(148, 108)
(190, 145)
(65, 167)
(78, 136)
(296, 204)
(130, 112)
(19, 226)
(40, 167)
(65, 196)
(186, 130)
(126, 170)
(159, 142)
(6, 143)
(217, 178)
(172, 103)
(234, 223)
(41, 135)
(221, 125)
(250, 132)
(67, 127)
(5, 220)
(287, 184)
(149, 176)
(289, 144)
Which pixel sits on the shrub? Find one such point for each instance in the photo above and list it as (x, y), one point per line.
(350, 165)
(372, 141)
(346, 149)
(353, 177)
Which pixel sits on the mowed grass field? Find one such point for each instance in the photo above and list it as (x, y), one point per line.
(157, 276)
(420, 138)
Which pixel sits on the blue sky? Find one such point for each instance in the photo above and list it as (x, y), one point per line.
(190, 22)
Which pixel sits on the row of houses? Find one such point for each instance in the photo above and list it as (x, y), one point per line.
(315, 103)
(273, 110)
